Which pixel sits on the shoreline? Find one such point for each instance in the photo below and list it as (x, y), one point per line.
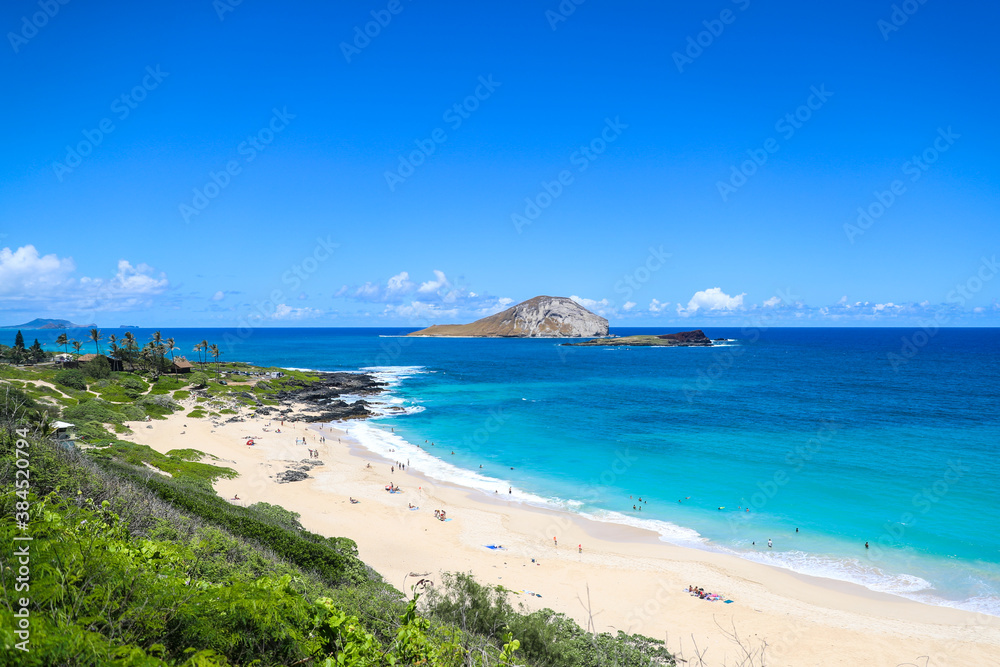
(625, 578)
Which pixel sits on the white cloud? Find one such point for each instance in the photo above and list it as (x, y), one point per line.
(604, 308)
(285, 312)
(399, 283)
(419, 310)
(24, 273)
(426, 302)
(219, 296)
(440, 281)
(772, 302)
(134, 280)
(657, 306)
(629, 305)
(712, 299)
(45, 282)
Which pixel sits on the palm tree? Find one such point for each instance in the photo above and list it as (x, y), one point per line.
(64, 341)
(203, 345)
(170, 348)
(76, 345)
(158, 340)
(113, 344)
(95, 335)
(215, 353)
(130, 348)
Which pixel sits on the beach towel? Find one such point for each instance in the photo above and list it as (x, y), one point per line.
(414, 508)
(494, 546)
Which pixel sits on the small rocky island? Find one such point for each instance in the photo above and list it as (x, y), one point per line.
(540, 317)
(696, 338)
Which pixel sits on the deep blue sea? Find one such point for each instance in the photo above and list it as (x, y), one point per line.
(830, 437)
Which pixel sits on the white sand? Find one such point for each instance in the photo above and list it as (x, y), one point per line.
(625, 579)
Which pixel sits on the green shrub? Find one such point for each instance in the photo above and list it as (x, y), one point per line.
(98, 368)
(71, 378)
(131, 382)
(158, 406)
(91, 410)
(198, 380)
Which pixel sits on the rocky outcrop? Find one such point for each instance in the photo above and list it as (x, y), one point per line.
(323, 396)
(540, 317)
(696, 337)
(681, 339)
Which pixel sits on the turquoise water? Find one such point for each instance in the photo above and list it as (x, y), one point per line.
(820, 430)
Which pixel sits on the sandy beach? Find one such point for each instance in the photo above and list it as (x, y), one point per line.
(607, 577)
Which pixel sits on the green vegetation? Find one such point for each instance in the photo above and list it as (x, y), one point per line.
(73, 379)
(98, 368)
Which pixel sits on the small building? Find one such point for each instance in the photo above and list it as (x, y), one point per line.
(181, 365)
(62, 358)
(62, 434)
(115, 364)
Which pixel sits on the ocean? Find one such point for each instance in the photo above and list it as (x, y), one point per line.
(819, 440)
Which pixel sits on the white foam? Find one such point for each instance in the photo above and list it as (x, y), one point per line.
(668, 532)
(393, 375)
(396, 448)
(850, 570)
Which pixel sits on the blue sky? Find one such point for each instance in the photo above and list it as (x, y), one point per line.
(270, 164)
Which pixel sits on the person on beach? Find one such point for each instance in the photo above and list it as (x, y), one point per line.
(555, 542)
(866, 545)
(509, 490)
(579, 548)
(769, 543)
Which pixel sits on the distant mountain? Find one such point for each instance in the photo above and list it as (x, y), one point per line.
(540, 317)
(39, 323)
